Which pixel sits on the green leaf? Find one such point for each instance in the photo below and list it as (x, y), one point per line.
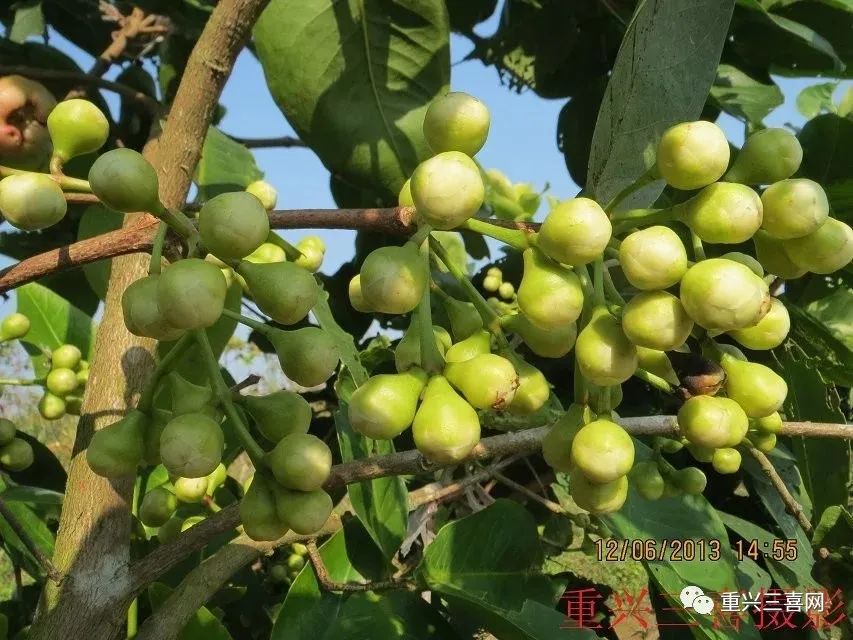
(96, 220)
(823, 463)
(821, 334)
(32, 495)
(354, 79)
(225, 165)
(824, 140)
(575, 127)
(35, 530)
(81, 22)
(835, 528)
(788, 575)
(202, 626)
(488, 565)
(343, 340)
(816, 98)
(750, 577)
(743, 97)
(29, 21)
(466, 14)
(54, 322)
(644, 97)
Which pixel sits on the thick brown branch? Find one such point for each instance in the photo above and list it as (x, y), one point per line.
(45, 563)
(791, 505)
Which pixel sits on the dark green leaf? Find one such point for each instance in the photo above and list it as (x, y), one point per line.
(821, 334)
(750, 577)
(835, 528)
(81, 22)
(36, 532)
(644, 97)
(466, 14)
(202, 626)
(29, 21)
(816, 98)
(824, 140)
(32, 495)
(96, 220)
(575, 127)
(354, 80)
(225, 165)
(744, 97)
(488, 564)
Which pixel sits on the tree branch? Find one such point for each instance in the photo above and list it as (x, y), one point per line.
(348, 587)
(270, 143)
(791, 505)
(45, 563)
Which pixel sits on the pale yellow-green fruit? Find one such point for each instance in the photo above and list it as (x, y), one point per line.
(724, 213)
(772, 255)
(546, 343)
(759, 390)
(658, 363)
(31, 201)
(549, 294)
(488, 381)
(653, 258)
(447, 190)
(14, 327)
(300, 461)
(762, 441)
(393, 279)
(603, 451)
(824, 251)
(456, 122)
(598, 499)
(770, 331)
(356, 297)
(264, 192)
(385, 405)
(767, 424)
(647, 480)
(557, 443)
(746, 260)
(77, 127)
(722, 295)
(656, 320)
(533, 389)
(767, 156)
(446, 428)
(603, 352)
(692, 155)
(691, 480)
(794, 208)
(575, 232)
(711, 421)
(404, 198)
(726, 460)
(157, 506)
(474, 345)
(407, 353)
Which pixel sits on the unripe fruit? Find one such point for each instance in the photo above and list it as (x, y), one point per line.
(647, 480)
(216, 478)
(295, 562)
(188, 397)
(774, 258)
(190, 489)
(267, 252)
(549, 294)
(723, 213)
(770, 331)
(279, 414)
(765, 442)
(233, 225)
(393, 279)
(658, 363)
(300, 461)
(726, 460)
(283, 291)
(279, 573)
(385, 405)
(304, 512)
(738, 429)
(598, 498)
(191, 294)
(533, 390)
(506, 290)
(76, 127)
(557, 443)
(51, 407)
(125, 181)
(722, 295)
(825, 251)
(14, 327)
(692, 155)
(7, 431)
(768, 424)
(258, 510)
(653, 258)
(66, 356)
(488, 381)
(446, 428)
(16, 455)
(546, 343)
(700, 453)
(170, 530)
(668, 445)
(603, 451)
(141, 309)
(117, 450)
(491, 283)
(756, 388)
(656, 320)
(456, 122)
(157, 506)
(404, 198)
(767, 156)
(463, 316)
(575, 232)
(407, 353)
(710, 421)
(264, 192)
(794, 208)
(603, 352)
(447, 190)
(356, 296)
(691, 480)
(61, 382)
(31, 201)
(191, 445)
(313, 251)
(308, 356)
(474, 345)
(746, 260)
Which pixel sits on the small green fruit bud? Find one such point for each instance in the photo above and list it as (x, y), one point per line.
(653, 258)
(770, 331)
(491, 283)
(190, 489)
(31, 201)
(456, 122)
(647, 480)
(125, 181)
(692, 155)
(266, 253)
(722, 295)
(66, 356)
(14, 327)
(825, 251)
(191, 294)
(691, 480)
(603, 451)
(710, 421)
(300, 461)
(447, 190)
(7, 431)
(506, 290)
(726, 460)
(765, 442)
(794, 208)
(756, 388)
(446, 428)
(549, 294)
(768, 424)
(575, 232)
(283, 291)
(233, 225)
(656, 320)
(16, 455)
(597, 498)
(767, 156)
(557, 443)
(157, 506)
(191, 445)
(265, 193)
(313, 251)
(77, 127)
(51, 407)
(61, 382)
(724, 213)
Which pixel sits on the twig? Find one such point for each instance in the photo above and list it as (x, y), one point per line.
(552, 506)
(349, 587)
(269, 143)
(791, 505)
(45, 563)
(248, 382)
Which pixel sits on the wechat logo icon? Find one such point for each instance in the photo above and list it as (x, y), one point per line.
(694, 598)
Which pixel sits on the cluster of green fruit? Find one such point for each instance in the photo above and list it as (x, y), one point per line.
(287, 565)
(16, 454)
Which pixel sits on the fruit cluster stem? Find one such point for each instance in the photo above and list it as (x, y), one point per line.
(291, 252)
(646, 178)
(66, 182)
(516, 238)
(146, 399)
(157, 248)
(652, 379)
(637, 218)
(431, 359)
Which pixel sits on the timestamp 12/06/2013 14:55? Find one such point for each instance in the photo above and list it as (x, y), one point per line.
(690, 549)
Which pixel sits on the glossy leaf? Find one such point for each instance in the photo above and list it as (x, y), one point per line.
(36, 531)
(744, 97)
(354, 79)
(29, 21)
(32, 495)
(225, 165)
(835, 528)
(816, 98)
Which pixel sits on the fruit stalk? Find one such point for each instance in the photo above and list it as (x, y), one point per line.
(146, 398)
(157, 249)
(431, 359)
(652, 379)
(637, 218)
(649, 176)
(66, 182)
(516, 238)
(290, 251)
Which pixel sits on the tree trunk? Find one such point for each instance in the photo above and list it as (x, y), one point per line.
(92, 545)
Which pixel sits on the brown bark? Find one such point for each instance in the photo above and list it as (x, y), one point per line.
(92, 546)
